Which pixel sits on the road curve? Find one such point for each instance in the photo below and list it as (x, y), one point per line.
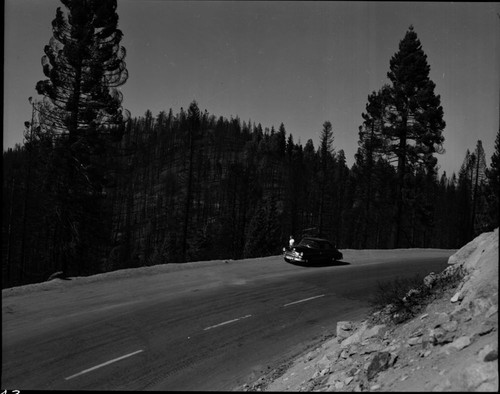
(211, 326)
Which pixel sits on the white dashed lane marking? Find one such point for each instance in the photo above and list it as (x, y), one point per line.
(205, 329)
(227, 322)
(103, 364)
(305, 299)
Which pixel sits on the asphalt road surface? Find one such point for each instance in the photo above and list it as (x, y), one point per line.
(204, 326)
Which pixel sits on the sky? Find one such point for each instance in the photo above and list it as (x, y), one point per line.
(299, 63)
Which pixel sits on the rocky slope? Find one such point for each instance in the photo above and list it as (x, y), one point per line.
(452, 345)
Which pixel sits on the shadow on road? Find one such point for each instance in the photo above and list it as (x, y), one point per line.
(320, 263)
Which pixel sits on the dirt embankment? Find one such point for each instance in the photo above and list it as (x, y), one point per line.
(452, 345)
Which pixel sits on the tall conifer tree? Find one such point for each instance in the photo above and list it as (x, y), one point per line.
(493, 175)
(415, 117)
(84, 64)
(478, 182)
(326, 161)
(371, 148)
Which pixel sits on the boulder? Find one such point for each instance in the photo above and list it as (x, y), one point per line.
(491, 356)
(461, 314)
(440, 319)
(414, 341)
(393, 359)
(336, 377)
(485, 328)
(417, 333)
(450, 326)
(469, 251)
(354, 338)
(479, 306)
(339, 385)
(474, 376)
(364, 333)
(443, 386)
(379, 362)
(439, 336)
(457, 297)
(374, 332)
(372, 348)
(324, 362)
(344, 330)
(460, 343)
(488, 353)
(483, 267)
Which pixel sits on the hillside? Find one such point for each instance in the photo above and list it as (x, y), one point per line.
(452, 345)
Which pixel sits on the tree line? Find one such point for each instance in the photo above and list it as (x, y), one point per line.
(191, 187)
(94, 190)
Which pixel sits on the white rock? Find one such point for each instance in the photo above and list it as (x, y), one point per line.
(344, 330)
(414, 341)
(375, 331)
(460, 343)
(458, 296)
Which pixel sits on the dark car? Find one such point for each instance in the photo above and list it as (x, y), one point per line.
(312, 250)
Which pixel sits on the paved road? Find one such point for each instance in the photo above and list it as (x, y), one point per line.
(212, 327)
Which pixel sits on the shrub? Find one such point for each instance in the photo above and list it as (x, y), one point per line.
(402, 298)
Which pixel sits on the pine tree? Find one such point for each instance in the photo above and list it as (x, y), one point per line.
(84, 64)
(326, 144)
(493, 189)
(193, 134)
(414, 125)
(341, 175)
(371, 148)
(264, 230)
(326, 161)
(280, 140)
(464, 198)
(478, 179)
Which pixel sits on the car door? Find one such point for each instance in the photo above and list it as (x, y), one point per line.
(322, 250)
(314, 251)
(328, 251)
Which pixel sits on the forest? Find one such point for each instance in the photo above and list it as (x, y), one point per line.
(93, 189)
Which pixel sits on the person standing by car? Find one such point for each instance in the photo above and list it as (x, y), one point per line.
(291, 242)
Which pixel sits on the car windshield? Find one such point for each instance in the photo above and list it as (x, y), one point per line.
(309, 244)
(315, 244)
